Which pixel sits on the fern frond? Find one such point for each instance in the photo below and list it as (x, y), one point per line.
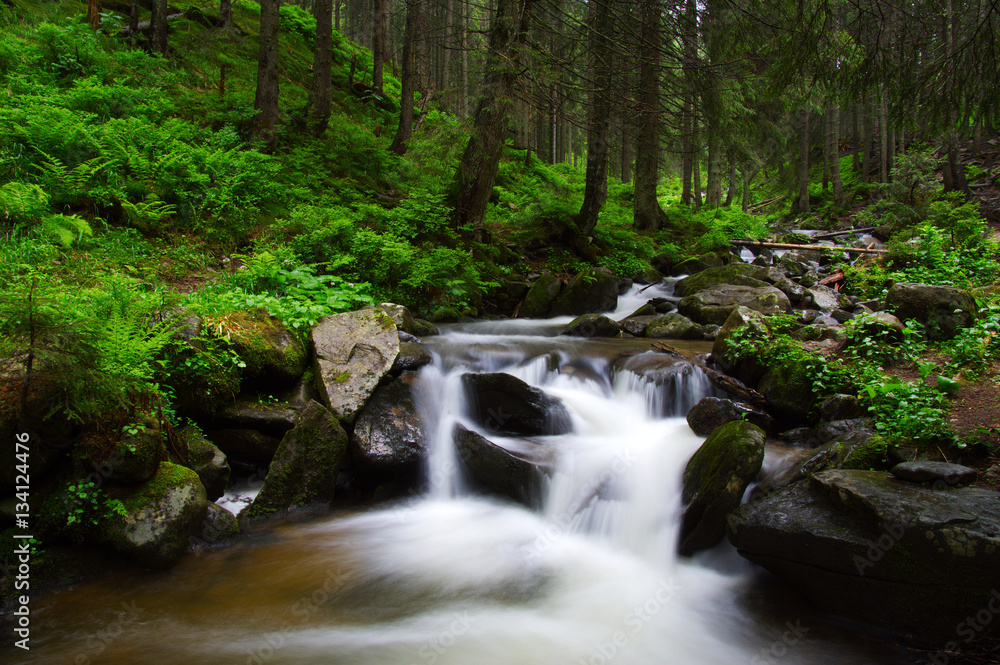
(65, 229)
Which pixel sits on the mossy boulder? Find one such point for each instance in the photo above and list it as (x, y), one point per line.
(271, 418)
(205, 459)
(540, 297)
(412, 356)
(713, 412)
(220, 528)
(714, 482)
(591, 290)
(742, 274)
(159, 517)
(400, 315)
(388, 438)
(944, 310)
(136, 457)
(674, 326)
(788, 390)
(636, 325)
(592, 325)
(422, 328)
(247, 445)
(714, 304)
(304, 470)
(354, 351)
(272, 353)
(747, 369)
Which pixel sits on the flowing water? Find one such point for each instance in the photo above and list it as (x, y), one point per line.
(589, 576)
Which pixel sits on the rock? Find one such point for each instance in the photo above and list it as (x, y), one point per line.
(624, 284)
(823, 298)
(592, 290)
(742, 274)
(637, 325)
(423, 328)
(647, 274)
(710, 331)
(353, 352)
(856, 449)
(187, 326)
(735, 388)
(716, 303)
(516, 475)
(245, 444)
(220, 528)
(712, 412)
(411, 357)
(714, 482)
(592, 325)
(671, 373)
(273, 419)
(882, 326)
(136, 458)
(865, 546)
(944, 310)
(747, 370)
(400, 315)
(206, 460)
(160, 516)
(304, 470)
(540, 297)
(841, 407)
(674, 326)
(271, 352)
(935, 472)
(646, 310)
(506, 405)
(693, 265)
(829, 431)
(789, 394)
(795, 292)
(388, 438)
(447, 314)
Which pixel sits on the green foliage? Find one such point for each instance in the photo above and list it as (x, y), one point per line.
(86, 504)
(975, 347)
(910, 411)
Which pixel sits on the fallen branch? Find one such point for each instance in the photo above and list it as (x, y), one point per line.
(764, 203)
(834, 234)
(785, 245)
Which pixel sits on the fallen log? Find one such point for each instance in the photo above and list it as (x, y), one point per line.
(764, 203)
(786, 245)
(834, 234)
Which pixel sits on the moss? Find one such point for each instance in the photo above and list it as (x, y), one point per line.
(167, 477)
(870, 455)
(343, 377)
(266, 345)
(739, 274)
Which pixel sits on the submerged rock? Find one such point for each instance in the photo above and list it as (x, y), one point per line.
(516, 475)
(506, 405)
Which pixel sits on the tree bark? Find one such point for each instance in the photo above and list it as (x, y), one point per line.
(478, 169)
(319, 95)
(646, 210)
(266, 98)
(133, 22)
(380, 45)
(225, 14)
(804, 165)
(595, 191)
(94, 14)
(404, 131)
(158, 27)
(833, 143)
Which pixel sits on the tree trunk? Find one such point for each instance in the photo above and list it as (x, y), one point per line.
(833, 142)
(867, 138)
(404, 131)
(380, 46)
(266, 98)
(686, 149)
(158, 27)
(478, 169)
(731, 192)
(626, 168)
(827, 152)
(745, 203)
(695, 163)
(646, 208)
(595, 191)
(94, 14)
(319, 95)
(133, 22)
(225, 14)
(804, 165)
(883, 136)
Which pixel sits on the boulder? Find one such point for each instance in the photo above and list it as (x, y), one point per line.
(691, 265)
(540, 297)
(830, 430)
(856, 449)
(592, 325)
(271, 418)
(411, 357)
(795, 292)
(747, 370)
(422, 328)
(506, 405)
(304, 470)
(271, 352)
(935, 472)
(711, 413)
(158, 519)
(400, 315)
(248, 445)
(354, 351)
(207, 461)
(388, 439)
(674, 326)
(823, 298)
(514, 474)
(714, 482)
(872, 548)
(220, 528)
(136, 458)
(636, 325)
(592, 290)
(789, 393)
(714, 304)
(841, 407)
(944, 310)
(742, 274)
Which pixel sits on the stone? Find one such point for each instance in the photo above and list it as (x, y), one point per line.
(305, 467)
(411, 357)
(841, 407)
(136, 458)
(248, 445)
(158, 519)
(220, 528)
(270, 418)
(592, 325)
(830, 430)
(205, 459)
(272, 353)
(592, 290)
(711, 413)
(944, 310)
(935, 472)
(795, 292)
(824, 299)
(637, 325)
(856, 449)
(422, 328)
(540, 297)
(400, 315)
(714, 482)
(506, 405)
(789, 394)
(691, 265)
(742, 274)
(863, 545)
(388, 438)
(716, 303)
(514, 474)
(674, 326)
(747, 370)
(354, 351)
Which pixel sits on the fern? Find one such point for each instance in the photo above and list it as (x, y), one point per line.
(72, 181)
(149, 212)
(65, 229)
(129, 345)
(20, 202)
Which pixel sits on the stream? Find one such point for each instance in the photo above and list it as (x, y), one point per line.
(451, 576)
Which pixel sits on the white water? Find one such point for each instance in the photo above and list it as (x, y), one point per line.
(454, 578)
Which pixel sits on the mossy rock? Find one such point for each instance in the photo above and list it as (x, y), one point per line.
(747, 370)
(944, 310)
(789, 394)
(272, 353)
(714, 304)
(592, 325)
(540, 297)
(220, 528)
(739, 274)
(136, 458)
(423, 328)
(674, 326)
(400, 315)
(304, 470)
(591, 290)
(159, 517)
(447, 315)
(205, 459)
(714, 482)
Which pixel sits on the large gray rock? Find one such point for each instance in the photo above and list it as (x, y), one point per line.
(715, 303)
(271, 418)
(713, 412)
(871, 548)
(935, 472)
(205, 459)
(855, 449)
(592, 290)
(353, 352)
(388, 438)
(674, 326)
(592, 325)
(272, 353)
(714, 482)
(514, 474)
(540, 297)
(411, 356)
(220, 528)
(824, 299)
(636, 325)
(504, 404)
(400, 315)
(742, 274)
(304, 470)
(160, 516)
(944, 310)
